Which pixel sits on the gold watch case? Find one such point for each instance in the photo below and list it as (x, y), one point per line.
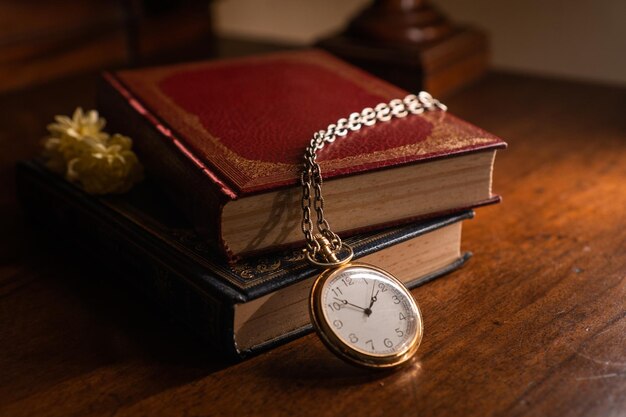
(342, 349)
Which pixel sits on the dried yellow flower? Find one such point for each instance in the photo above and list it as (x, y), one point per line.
(67, 134)
(88, 156)
(79, 126)
(105, 168)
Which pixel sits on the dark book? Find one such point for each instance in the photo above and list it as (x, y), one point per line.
(226, 141)
(237, 308)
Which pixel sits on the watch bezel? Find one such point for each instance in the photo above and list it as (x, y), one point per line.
(342, 349)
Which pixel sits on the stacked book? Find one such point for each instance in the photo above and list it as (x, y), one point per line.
(214, 234)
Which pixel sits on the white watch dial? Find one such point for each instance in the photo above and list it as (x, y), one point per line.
(370, 312)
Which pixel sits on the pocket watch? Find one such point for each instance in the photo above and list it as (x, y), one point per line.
(365, 315)
(362, 313)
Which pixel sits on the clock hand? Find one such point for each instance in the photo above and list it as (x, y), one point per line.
(374, 298)
(368, 310)
(345, 302)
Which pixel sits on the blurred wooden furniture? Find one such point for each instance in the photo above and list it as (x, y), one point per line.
(412, 44)
(55, 38)
(535, 324)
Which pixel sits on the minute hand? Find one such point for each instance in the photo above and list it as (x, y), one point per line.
(348, 303)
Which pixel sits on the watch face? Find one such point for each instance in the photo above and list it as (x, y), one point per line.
(366, 315)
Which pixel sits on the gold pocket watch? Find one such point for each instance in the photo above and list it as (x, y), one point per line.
(362, 313)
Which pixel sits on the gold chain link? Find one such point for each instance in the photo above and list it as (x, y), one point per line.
(312, 174)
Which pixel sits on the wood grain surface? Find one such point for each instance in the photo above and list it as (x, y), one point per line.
(534, 325)
(55, 38)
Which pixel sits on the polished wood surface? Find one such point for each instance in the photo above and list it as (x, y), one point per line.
(535, 324)
(57, 38)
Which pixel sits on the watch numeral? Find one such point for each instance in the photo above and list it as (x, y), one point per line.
(335, 306)
(382, 287)
(370, 342)
(337, 291)
(347, 281)
(388, 343)
(402, 316)
(338, 324)
(396, 300)
(353, 338)
(399, 332)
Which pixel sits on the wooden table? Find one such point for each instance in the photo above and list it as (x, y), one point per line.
(535, 324)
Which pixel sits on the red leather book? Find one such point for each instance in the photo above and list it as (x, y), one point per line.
(226, 139)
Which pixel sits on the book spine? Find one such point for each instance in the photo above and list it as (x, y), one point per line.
(208, 315)
(201, 199)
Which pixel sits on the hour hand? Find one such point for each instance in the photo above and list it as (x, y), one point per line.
(345, 302)
(374, 298)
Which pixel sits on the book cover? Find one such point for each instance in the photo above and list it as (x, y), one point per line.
(215, 132)
(157, 251)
